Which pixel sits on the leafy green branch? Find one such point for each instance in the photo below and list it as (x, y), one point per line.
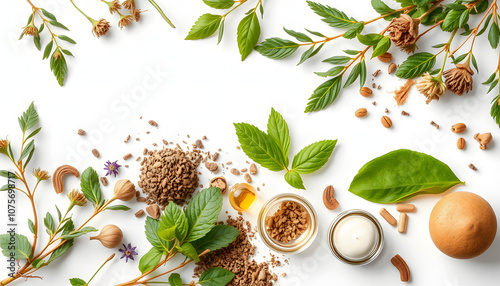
(271, 149)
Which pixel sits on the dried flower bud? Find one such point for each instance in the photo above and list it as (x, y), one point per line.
(124, 190)
(459, 79)
(4, 146)
(77, 198)
(403, 31)
(100, 28)
(129, 4)
(125, 20)
(136, 14)
(110, 236)
(30, 30)
(114, 6)
(431, 87)
(41, 175)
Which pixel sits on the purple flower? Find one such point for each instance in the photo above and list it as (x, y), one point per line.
(128, 252)
(112, 168)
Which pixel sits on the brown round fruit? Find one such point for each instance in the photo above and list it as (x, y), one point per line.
(462, 225)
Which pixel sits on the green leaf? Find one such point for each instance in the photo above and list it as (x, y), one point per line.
(277, 128)
(316, 33)
(451, 21)
(31, 226)
(48, 49)
(49, 15)
(369, 39)
(248, 34)
(485, 25)
(362, 74)
(66, 52)
(29, 118)
(493, 85)
(333, 17)
(67, 39)
(6, 187)
(383, 9)
(219, 4)
(491, 78)
(150, 260)
(260, 147)
(204, 27)
(301, 37)
(22, 247)
(37, 263)
(68, 226)
(173, 217)
(381, 47)
(219, 237)
(457, 7)
(34, 133)
(7, 174)
(189, 251)
(401, 175)
(58, 66)
(354, 30)
(351, 52)
(495, 110)
(30, 156)
(118, 208)
(202, 212)
(306, 55)
(416, 65)
(353, 75)
(293, 178)
(36, 41)
(459, 58)
(27, 150)
(313, 157)
(175, 278)
(168, 233)
(216, 277)
(493, 35)
(325, 94)
(421, 3)
(337, 60)
(77, 282)
(277, 48)
(331, 72)
(464, 17)
(91, 187)
(59, 216)
(57, 24)
(221, 32)
(49, 223)
(152, 227)
(79, 233)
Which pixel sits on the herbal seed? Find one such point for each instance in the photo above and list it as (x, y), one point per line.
(385, 58)
(473, 168)
(248, 178)
(153, 123)
(139, 213)
(459, 128)
(360, 113)
(365, 91)
(386, 121)
(391, 68)
(461, 143)
(212, 167)
(376, 73)
(127, 156)
(405, 113)
(435, 124)
(104, 181)
(81, 132)
(96, 153)
(253, 169)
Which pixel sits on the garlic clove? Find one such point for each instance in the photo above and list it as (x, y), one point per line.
(110, 236)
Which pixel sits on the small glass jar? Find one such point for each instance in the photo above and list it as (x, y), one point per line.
(300, 243)
(366, 223)
(242, 196)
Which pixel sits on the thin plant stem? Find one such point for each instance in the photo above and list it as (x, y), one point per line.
(90, 19)
(161, 13)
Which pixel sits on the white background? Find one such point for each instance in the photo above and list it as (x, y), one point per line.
(199, 88)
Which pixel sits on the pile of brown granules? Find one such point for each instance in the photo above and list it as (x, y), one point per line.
(169, 175)
(288, 222)
(236, 258)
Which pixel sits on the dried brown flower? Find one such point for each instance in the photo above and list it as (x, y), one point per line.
(459, 79)
(136, 14)
(129, 4)
(114, 6)
(409, 49)
(403, 31)
(100, 28)
(125, 20)
(41, 175)
(431, 87)
(77, 198)
(4, 145)
(30, 30)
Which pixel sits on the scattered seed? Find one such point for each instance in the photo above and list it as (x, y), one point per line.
(215, 156)
(153, 123)
(127, 156)
(127, 139)
(376, 73)
(365, 91)
(234, 171)
(199, 144)
(379, 87)
(137, 194)
(212, 167)
(360, 113)
(473, 168)
(218, 182)
(139, 213)
(165, 142)
(96, 153)
(374, 85)
(386, 110)
(386, 121)
(253, 169)
(461, 143)
(374, 103)
(81, 132)
(405, 113)
(153, 211)
(141, 199)
(145, 152)
(392, 68)
(435, 124)
(244, 170)
(104, 181)
(248, 178)
(238, 147)
(204, 137)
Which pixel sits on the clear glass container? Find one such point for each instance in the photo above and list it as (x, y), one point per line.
(378, 243)
(242, 196)
(300, 243)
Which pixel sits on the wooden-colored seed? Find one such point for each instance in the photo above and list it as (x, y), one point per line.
(386, 121)
(360, 113)
(366, 91)
(104, 181)
(96, 153)
(388, 217)
(461, 143)
(385, 58)
(403, 222)
(127, 156)
(404, 270)
(406, 208)
(459, 128)
(391, 68)
(139, 213)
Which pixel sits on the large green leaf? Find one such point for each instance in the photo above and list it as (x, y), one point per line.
(260, 147)
(91, 187)
(277, 128)
(58, 66)
(400, 175)
(152, 227)
(248, 34)
(293, 178)
(313, 157)
(175, 278)
(204, 27)
(325, 94)
(219, 4)
(277, 48)
(216, 277)
(332, 16)
(189, 251)
(220, 236)
(173, 217)
(383, 9)
(29, 118)
(202, 212)
(61, 250)
(17, 244)
(416, 65)
(150, 260)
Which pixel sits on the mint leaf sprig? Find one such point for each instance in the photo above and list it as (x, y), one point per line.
(271, 149)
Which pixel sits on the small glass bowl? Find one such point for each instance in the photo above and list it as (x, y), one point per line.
(377, 248)
(300, 243)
